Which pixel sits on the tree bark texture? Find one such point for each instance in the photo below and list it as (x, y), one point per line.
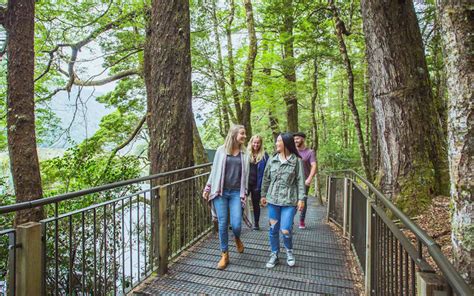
(250, 65)
(168, 84)
(289, 68)
(230, 60)
(340, 32)
(220, 69)
(314, 130)
(24, 162)
(457, 22)
(413, 152)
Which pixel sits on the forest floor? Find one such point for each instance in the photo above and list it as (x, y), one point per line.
(436, 222)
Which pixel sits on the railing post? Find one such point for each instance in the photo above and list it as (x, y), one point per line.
(430, 284)
(328, 196)
(345, 210)
(155, 226)
(163, 231)
(368, 249)
(28, 259)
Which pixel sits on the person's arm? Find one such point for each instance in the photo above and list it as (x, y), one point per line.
(300, 183)
(265, 184)
(312, 173)
(207, 188)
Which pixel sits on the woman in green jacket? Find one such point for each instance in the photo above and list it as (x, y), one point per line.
(283, 190)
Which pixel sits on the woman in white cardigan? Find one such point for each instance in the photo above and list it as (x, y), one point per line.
(226, 188)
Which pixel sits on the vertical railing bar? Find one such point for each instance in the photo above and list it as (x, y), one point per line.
(400, 263)
(138, 235)
(94, 228)
(392, 266)
(105, 249)
(406, 274)
(83, 239)
(56, 248)
(114, 213)
(377, 250)
(152, 227)
(123, 246)
(413, 279)
(420, 249)
(397, 285)
(382, 261)
(44, 258)
(131, 241)
(70, 255)
(144, 231)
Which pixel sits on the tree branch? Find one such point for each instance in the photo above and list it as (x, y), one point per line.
(123, 145)
(117, 76)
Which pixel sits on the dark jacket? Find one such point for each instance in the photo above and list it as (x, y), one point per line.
(260, 170)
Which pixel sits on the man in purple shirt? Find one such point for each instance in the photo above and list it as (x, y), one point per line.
(309, 166)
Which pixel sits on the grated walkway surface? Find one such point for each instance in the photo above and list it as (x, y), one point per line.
(320, 265)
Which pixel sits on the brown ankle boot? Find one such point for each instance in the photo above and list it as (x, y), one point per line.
(239, 245)
(224, 261)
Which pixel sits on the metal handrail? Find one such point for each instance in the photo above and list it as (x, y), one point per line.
(441, 261)
(67, 196)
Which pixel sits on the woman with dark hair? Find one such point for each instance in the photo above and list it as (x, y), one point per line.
(283, 190)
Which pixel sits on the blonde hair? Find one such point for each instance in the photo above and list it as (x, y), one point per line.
(231, 138)
(256, 158)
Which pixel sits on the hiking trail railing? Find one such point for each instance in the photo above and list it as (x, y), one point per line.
(105, 240)
(377, 233)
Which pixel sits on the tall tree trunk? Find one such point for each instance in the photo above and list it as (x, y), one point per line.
(289, 68)
(230, 60)
(410, 136)
(248, 77)
(20, 25)
(439, 79)
(344, 133)
(168, 84)
(220, 70)
(199, 153)
(274, 123)
(374, 143)
(457, 22)
(340, 31)
(314, 130)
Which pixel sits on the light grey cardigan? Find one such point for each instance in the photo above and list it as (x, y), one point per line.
(215, 183)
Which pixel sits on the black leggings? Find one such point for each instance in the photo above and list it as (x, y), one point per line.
(256, 196)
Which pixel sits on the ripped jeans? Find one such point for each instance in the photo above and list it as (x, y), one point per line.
(281, 217)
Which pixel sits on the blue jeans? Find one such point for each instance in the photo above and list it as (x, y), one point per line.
(281, 217)
(229, 201)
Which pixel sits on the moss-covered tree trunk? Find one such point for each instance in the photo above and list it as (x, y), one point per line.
(19, 21)
(168, 85)
(457, 22)
(289, 68)
(413, 151)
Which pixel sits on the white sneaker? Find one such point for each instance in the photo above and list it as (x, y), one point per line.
(273, 260)
(290, 258)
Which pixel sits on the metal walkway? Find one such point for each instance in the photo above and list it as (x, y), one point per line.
(321, 265)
